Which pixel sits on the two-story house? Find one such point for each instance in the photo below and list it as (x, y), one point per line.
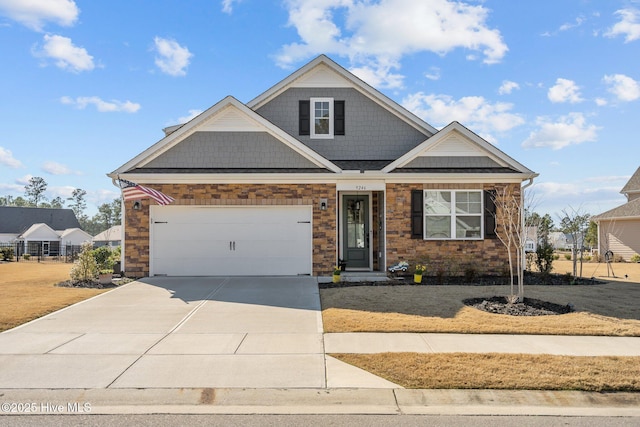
(319, 168)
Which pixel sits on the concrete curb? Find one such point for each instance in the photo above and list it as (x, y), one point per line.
(318, 401)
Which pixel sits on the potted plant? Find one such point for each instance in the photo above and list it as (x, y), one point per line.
(336, 274)
(417, 274)
(104, 261)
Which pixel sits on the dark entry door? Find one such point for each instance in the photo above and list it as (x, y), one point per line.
(355, 245)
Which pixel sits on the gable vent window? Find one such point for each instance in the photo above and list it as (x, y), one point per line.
(321, 118)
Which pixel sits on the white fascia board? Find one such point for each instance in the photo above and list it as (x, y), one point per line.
(490, 149)
(355, 82)
(192, 126)
(321, 178)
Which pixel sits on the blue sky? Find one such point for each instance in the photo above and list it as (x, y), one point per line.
(87, 85)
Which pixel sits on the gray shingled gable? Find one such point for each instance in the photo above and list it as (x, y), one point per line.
(229, 150)
(372, 132)
(18, 219)
(628, 210)
(633, 185)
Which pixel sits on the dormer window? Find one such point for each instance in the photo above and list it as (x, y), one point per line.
(322, 118)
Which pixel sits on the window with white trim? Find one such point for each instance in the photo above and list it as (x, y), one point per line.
(321, 117)
(450, 214)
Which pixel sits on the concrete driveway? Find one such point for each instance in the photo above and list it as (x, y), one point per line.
(175, 332)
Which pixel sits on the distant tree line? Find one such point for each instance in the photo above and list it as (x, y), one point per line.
(34, 196)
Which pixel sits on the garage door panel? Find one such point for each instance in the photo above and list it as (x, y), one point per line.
(187, 240)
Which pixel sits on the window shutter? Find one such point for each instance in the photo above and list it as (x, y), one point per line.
(304, 119)
(490, 215)
(417, 216)
(338, 117)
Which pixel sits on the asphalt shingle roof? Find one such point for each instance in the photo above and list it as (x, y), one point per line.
(17, 219)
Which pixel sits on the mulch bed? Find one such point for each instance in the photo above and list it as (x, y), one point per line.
(530, 278)
(529, 307)
(91, 284)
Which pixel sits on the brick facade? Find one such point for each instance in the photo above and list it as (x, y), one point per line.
(487, 256)
(324, 235)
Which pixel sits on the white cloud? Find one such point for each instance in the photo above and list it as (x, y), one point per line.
(380, 74)
(569, 25)
(623, 87)
(65, 54)
(377, 34)
(474, 111)
(571, 129)
(433, 73)
(507, 87)
(629, 25)
(102, 106)
(564, 91)
(227, 5)
(192, 114)
(35, 13)
(172, 58)
(601, 102)
(7, 159)
(55, 168)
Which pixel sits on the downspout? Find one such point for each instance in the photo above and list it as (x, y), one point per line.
(523, 258)
(122, 227)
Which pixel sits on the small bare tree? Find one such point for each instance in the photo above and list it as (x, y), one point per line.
(575, 223)
(512, 233)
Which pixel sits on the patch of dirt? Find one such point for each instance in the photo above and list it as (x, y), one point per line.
(529, 307)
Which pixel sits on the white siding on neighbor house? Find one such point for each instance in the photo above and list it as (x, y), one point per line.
(622, 237)
(7, 237)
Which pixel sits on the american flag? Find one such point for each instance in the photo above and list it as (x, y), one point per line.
(131, 191)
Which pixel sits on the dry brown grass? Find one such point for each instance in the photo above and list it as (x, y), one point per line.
(606, 309)
(501, 371)
(27, 291)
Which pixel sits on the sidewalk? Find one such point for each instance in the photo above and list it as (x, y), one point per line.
(481, 343)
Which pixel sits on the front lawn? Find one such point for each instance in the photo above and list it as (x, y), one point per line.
(609, 309)
(28, 291)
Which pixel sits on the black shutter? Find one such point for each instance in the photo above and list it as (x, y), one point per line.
(304, 119)
(490, 215)
(417, 217)
(338, 117)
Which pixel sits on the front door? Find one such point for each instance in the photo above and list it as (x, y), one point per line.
(355, 243)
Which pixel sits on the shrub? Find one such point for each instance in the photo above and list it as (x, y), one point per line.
(567, 257)
(635, 258)
(85, 268)
(544, 258)
(556, 257)
(103, 258)
(26, 257)
(7, 254)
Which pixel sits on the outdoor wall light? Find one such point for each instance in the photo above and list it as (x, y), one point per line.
(137, 205)
(323, 204)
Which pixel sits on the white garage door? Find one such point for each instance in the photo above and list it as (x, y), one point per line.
(223, 241)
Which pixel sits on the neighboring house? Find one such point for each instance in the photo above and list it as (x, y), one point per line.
(319, 168)
(619, 228)
(110, 237)
(531, 239)
(40, 231)
(560, 240)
